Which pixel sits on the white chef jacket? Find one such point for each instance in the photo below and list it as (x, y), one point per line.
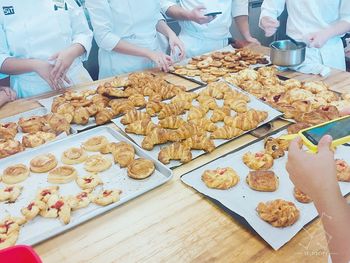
(34, 29)
(134, 21)
(199, 39)
(308, 16)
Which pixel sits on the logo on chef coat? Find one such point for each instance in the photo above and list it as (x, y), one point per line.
(8, 10)
(60, 4)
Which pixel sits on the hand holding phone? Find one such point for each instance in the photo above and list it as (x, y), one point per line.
(213, 14)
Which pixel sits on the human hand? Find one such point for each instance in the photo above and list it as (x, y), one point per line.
(174, 43)
(197, 15)
(10, 93)
(162, 60)
(44, 69)
(317, 39)
(313, 174)
(269, 25)
(62, 62)
(252, 40)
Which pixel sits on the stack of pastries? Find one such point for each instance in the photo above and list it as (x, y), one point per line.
(193, 120)
(309, 102)
(218, 64)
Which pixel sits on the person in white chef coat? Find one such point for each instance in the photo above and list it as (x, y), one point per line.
(43, 44)
(126, 33)
(318, 23)
(201, 33)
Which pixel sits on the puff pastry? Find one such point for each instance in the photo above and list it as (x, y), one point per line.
(134, 115)
(140, 168)
(205, 124)
(171, 122)
(32, 124)
(10, 147)
(8, 130)
(43, 163)
(226, 132)
(301, 197)
(33, 209)
(221, 178)
(80, 200)
(200, 142)
(94, 144)
(97, 163)
(263, 181)
(74, 156)
(9, 230)
(141, 127)
(185, 131)
(89, 182)
(45, 193)
(258, 161)
(343, 170)
(156, 136)
(171, 110)
(37, 139)
(10, 193)
(175, 151)
(220, 113)
(15, 174)
(62, 175)
(57, 207)
(123, 153)
(107, 197)
(104, 116)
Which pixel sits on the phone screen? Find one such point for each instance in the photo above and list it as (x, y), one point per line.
(337, 130)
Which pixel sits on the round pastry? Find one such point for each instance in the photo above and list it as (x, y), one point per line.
(221, 178)
(43, 163)
(8, 130)
(10, 147)
(94, 144)
(140, 168)
(263, 181)
(10, 193)
(97, 163)
(89, 181)
(278, 213)
(15, 174)
(273, 147)
(74, 156)
(258, 161)
(62, 175)
(343, 171)
(301, 197)
(107, 197)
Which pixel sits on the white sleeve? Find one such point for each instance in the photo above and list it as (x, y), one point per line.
(239, 8)
(101, 19)
(4, 48)
(345, 11)
(272, 8)
(165, 4)
(80, 28)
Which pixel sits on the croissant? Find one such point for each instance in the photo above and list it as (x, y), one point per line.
(152, 108)
(129, 91)
(8, 130)
(220, 113)
(141, 127)
(104, 116)
(134, 115)
(81, 116)
(100, 101)
(56, 124)
(120, 106)
(246, 121)
(207, 101)
(175, 151)
(110, 91)
(238, 105)
(200, 142)
(186, 131)
(233, 94)
(185, 96)
(214, 90)
(167, 91)
(197, 112)
(205, 124)
(156, 136)
(226, 133)
(171, 122)
(138, 100)
(171, 109)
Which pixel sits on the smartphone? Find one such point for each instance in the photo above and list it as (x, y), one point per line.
(339, 129)
(213, 14)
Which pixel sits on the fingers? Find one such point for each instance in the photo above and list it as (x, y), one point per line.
(200, 8)
(54, 56)
(56, 69)
(295, 147)
(324, 145)
(269, 25)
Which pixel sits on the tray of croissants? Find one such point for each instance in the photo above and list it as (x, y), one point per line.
(194, 123)
(99, 105)
(253, 183)
(65, 183)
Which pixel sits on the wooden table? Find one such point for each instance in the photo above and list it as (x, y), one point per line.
(174, 223)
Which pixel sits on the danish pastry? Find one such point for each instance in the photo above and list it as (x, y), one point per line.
(8, 131)
(9, 230)
(123, 153)
(97, 163)
(278, 213)
(57, 207)
(80, 200)
(10, 193)
(81, 116)
(272, 146)
(45, 193)
(32, 124)
(62, 175)
(94, 144)
(175, 151)
(107, 197)
(74, 156)
(263, 181)
(43, 163)
(221, 178)
(37, 139)
(10, 147)
(296, 127)
(140, 168)
(15, 174)
(141, 127)
(57, 124)
(258, 161)
(343, 171)
(301, 197)
(32, 209)
(89, 182)
(226, 133)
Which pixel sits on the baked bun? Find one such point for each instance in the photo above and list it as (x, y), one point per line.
(220, 178)
(140, 168)
(74, 156)
(97, 163)
(263, 181)
(43, 163)
(15, 174)
(94, 144)
(258, 161)
(62, 175)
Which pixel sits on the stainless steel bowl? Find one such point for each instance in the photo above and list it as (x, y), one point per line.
(286, 53)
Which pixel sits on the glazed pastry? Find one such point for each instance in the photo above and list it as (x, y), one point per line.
(80, 200)
(156, 136)
(258, 161)
(8, 131)
(94, 144)
(43, 163)
(89, 182)
(81, 116)
(175, 151)
(57, 124)
(37, 139)
(296, 127)
(263, 181)
(200, 142)
(343, 171)
(172, 109)
(274, 148)
(141, 127)
(278, 213)
(171, 122)
(220, 113)
(134, 115)
(15, 174)
(32, 124)
(197, 112)
(104, 116)
(45, 193)
(57, 207)
(62, 175)
(301, 197)
(32, 209)
(238, 105)
(107, 197)
(329, 112)
(9, 230)
(74, 156)
(10, 147)
(205, 124)
(140, 168)
(207, 102)
(97, 163)
(315, 86)
(221, 178)
(10, 193)
(226, 132)
(123, 153)
(302, 105)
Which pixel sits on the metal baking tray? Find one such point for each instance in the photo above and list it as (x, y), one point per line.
(40, 228)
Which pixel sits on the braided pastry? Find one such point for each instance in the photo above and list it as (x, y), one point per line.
(175, 151)
(258, 161)
(263, 181)
(221, 178)
(141, 127)
(226, 132)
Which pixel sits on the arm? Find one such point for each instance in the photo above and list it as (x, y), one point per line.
(270, 11)
(195, 15)
(315, 175)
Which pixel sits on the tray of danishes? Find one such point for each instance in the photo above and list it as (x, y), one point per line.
(98, 105)
(65, 183)
(253, 183)
(194, 123)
